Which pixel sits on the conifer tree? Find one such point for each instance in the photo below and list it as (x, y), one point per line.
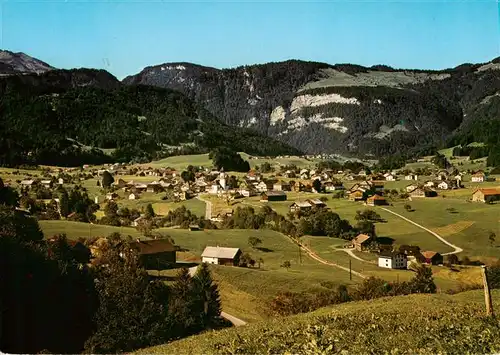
(208, 294)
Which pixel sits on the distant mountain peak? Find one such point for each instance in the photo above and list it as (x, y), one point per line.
(21, 63)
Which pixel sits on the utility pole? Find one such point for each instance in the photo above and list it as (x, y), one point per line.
(487, 294)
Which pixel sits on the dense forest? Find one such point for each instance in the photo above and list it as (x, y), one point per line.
(63, 123)
(409, 117)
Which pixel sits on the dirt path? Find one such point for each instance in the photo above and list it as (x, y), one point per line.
(208, 207)
(236, 321)
(352, 255)
(457, 249)
(325, 262)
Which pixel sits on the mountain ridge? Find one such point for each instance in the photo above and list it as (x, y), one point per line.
(45, 114)
(262, 97)
(12, 63)
(338, 108)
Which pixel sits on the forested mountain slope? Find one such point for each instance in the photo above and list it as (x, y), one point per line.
(352, 109)
(71, 117)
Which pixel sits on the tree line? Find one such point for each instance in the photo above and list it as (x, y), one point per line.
(112, 305)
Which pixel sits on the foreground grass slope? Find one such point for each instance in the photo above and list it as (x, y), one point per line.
(423, 324)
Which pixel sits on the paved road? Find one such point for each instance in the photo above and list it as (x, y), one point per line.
(236, 321)
(208, 207)
(457, 249)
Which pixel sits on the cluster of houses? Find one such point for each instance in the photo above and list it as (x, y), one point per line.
(133, 189)
(397, 260)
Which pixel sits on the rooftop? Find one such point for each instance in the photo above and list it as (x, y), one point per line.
(220, 252)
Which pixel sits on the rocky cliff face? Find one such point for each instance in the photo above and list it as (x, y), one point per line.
(20, 63)
(320, 108)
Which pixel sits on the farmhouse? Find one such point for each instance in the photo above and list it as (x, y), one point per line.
(377, 186)
(333, 186)
(111, 195)
(361, 241)
(486, 195)
(356, 196)
(422, 192)
(478, 177)
(411, 187)
(432, 258)
(300, 206)
(316, 203)
(281, 186)
(28, 183)
(47, 183)
(273, 196)
(155, 254)
(391, 260)
(429, 183)
(376, 200)
(154, 186)
(389, 177)
(253, 175)
(133, 196)
(262, 187)
(221, 256)
(411, 177)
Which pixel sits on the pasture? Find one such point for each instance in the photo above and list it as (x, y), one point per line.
(246, 291)
(466, 224)
(75, 230)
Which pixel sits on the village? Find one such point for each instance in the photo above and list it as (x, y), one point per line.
(222, 191)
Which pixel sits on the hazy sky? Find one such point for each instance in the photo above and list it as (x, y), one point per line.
(124, 36)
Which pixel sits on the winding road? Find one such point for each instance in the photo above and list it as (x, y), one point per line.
(457, 249)
(325, 262)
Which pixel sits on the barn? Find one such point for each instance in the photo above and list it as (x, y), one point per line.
(221, 256)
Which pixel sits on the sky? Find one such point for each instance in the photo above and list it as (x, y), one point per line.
(124, 36)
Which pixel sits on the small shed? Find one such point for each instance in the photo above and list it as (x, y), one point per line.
(221, 256)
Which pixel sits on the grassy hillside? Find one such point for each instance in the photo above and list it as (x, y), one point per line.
(423, 324)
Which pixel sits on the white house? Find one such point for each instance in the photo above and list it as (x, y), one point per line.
(411, 187)
(443, 185)
(389, 177)
(392, 260)
(215, 189)
(478, 177)
(411, 177)
(132, 196)
(261, 186)
(221, 255)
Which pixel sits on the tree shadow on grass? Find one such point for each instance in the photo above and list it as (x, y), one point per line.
(265, 250)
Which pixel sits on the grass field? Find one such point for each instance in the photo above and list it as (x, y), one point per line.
(423, 324)
(75, 230)
(401, 231)
(245, 291)
(180, 162)
(467, 226)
